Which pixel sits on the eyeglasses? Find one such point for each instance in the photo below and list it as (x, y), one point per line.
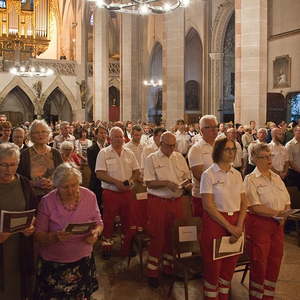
(265, 157)
(210, 127)
(230, 149)
(40, 132)
(6, 166)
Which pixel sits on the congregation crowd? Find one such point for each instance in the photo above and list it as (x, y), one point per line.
(80, 172)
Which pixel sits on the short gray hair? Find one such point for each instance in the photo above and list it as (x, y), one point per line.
(115, 128)
(64, 171)
(258, 148)
(9, 149)
(36, 123)
(67, 145)
(205, 118)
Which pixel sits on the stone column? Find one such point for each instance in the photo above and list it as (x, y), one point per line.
(216, 83)
(251, 61)
(173, 67)
(100, 67)
(130, 57)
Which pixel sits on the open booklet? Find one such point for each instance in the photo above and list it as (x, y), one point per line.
(223, 248)
(16, 221)
(289, 212)
(80, 228)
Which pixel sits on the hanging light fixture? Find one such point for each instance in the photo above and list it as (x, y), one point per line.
(141, 7)
(31, 71)
(153, 83)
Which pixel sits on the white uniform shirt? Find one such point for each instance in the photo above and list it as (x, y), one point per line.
(260, 190)
(136, 149)
(183, 142)
(279, 156)
(293, 148)
(226, 187)
(147, 151)
(146, 139)
(196, 138)
(118, 167)
(238, 156)
(200, 154)
(160, 167)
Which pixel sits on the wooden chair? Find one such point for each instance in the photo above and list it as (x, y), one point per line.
(186, 252)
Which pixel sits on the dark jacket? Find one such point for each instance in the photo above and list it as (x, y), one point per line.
(92, 153)
(26, 247)
(24, 167)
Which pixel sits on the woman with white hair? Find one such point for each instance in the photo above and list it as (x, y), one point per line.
(38, 162)
(68, 154)
(66, 268)
(16, 250)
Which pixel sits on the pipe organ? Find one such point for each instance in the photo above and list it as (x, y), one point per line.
(24, 27)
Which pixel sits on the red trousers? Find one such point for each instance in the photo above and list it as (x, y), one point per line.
(138, 213)
(217, 274)
(118, 204)
(161, 216)
(266, 251)
(197, 207)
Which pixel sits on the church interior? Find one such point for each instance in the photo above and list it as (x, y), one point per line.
(154, 61)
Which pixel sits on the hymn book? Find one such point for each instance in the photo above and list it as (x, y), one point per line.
(80, 228)
(16, 221)
(223, 248)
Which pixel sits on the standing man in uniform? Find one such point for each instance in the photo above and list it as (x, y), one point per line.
(164, 171)
(200, 158)
(117, 168)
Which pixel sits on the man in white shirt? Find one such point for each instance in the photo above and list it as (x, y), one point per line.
(18, 138)
(135, 144)
(183, 140)
(280, 156)
(146, 136)
(63, 136)
(200, 158)
(238, 161)
(164, 172)
(157, 132)
(293, 147)
(117, 167)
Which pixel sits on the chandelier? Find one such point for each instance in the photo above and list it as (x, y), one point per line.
(141, 7)
(31, 71)
(153, 83)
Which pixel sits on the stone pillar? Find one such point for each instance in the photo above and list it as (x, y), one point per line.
(173, 67)
(100, 67)
(216, 83)
(130, 57)
(251, 61)
(79, 115)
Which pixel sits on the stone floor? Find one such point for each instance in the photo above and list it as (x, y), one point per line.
(118, 282)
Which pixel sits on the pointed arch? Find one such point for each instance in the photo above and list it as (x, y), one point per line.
(193, 66)
(155, 72)
(58, 83)
(17, 82)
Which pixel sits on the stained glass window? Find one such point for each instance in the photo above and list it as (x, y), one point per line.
(2, 3)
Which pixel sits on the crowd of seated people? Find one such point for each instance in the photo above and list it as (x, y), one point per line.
(85, 172)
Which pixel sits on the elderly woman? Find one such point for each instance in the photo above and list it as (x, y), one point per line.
(225, 207)
(16, 251)
(66, 267)
(268, 201)
(38, 162)
(68, 154)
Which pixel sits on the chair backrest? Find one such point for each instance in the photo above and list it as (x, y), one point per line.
(185, 237)
(295, 196)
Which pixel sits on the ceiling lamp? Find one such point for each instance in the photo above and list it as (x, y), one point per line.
(141, 7)
(31, 71)
(153, 83)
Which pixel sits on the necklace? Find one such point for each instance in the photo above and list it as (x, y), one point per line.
(39, 152)
(69, 206)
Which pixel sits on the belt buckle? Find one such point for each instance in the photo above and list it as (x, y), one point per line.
(230, 213)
